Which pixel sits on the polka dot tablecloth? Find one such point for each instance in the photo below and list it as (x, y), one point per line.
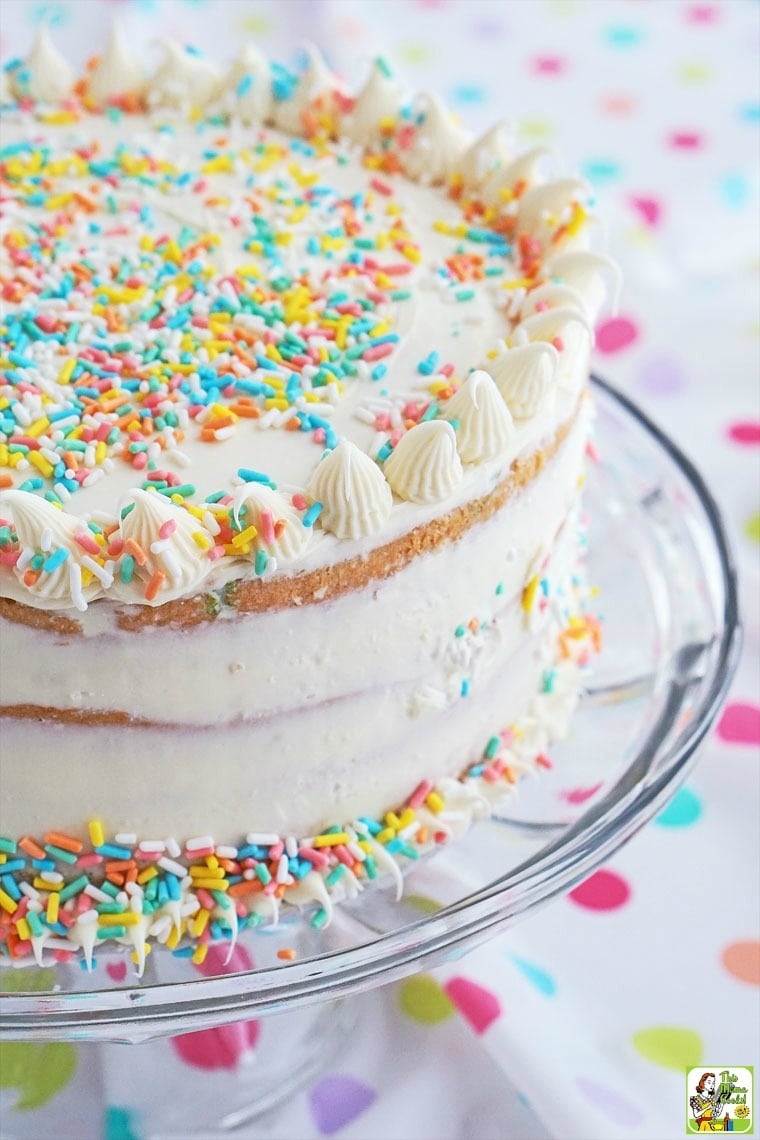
(580, 1023)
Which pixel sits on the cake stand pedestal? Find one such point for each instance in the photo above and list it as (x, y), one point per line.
(659, 554)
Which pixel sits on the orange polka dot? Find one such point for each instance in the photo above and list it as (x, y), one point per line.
(742, 960)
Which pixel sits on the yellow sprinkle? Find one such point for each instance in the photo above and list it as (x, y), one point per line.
(38, 427)
(146, 875)
(44, 885)
(434, 802)
(129, 918)
(200, 871)
(392, 820)
(529, 594)
(22, 928)
(136, 957)
(408, 816)
(200, 954)
(386, 835)
(244, 538)
(54, 902)
(201, 540)
(331, 840)
(173, 940)
(101, 451)
(95, 828)
(199, 923)
(211, 884)
(44, 466)
(6, 902)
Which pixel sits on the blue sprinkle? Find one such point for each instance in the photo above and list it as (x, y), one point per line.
(313, 513)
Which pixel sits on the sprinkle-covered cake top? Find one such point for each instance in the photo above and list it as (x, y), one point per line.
(251, 323)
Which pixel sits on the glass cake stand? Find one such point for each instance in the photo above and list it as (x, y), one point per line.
(667, 591)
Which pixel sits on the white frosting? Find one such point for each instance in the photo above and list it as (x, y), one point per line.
(571, 334)
(5, 89)
(378, 102)
(522, 170)
(46, 76)
(246, 90)
(543, 210)
(483, 158)
(117, 72)
(524, 376)
(585, 271)
(425, 466)
(176, 555)
(183, 81)
(551, 296)
(354, 493)
(485, 426)
(316, 81)
(437, 145)
(281, 532)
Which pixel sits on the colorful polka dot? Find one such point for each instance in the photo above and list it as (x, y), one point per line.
(612, 1104)
(601, 170)
(538, 978)
(623, 36)
(470, 93)
(734, 191)
(413, 53)
(752, 528)
(338, 1099)
(702, 13)
(660, 376)
(745, 432)
(37, 1072)
(604, 890)
(742, 960)
(615, 334)
(220, 1048)
(740, 723)
(684, 809)
(618, 104)
(477, 1005)
(685, 140)
(670, 1046)
(119, 1124)
(577, 796)
(549, 65)
(694, 72)
(117, 971)
(648, 208)
(422, 999)
(423, 903)
(488, 28)
(536, 128)
(750, 112)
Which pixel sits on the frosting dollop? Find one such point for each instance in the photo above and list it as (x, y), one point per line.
(552, 296)
(280, 531)
(482, 158)
(485, 424)
(585, 270)
(570, 333)
(168, 547)
(316, 86)
(378, 103)
(437, 145)
(353, 491)
(246, 90)
(46, 76)
(551, 213)
(184, 80)
(425, 466)
(524, 376)
(515, 177)
(60, 561)
(117, 72)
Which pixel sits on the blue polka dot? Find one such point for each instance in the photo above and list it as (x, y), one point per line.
(684, 809)
(734, 190)
(119, 1124)
(51, 14)
(537, 977)
(601, 170)
(750, 112)
(623, 36)
(469, 93)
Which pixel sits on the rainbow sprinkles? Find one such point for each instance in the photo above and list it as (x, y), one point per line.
(292, 385)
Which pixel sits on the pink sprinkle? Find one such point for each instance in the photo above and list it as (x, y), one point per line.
(167, 529)
(267, 526)
(381, 187)
(558, 343)
(91, 860)
(276, 850)
(745, 432)
(205, 899)
(447, 371)
(319, 435)
(685, 140)
(316, 858)
(140, 460)
(378, 351)
(543, 761)
(216, 552)
(548, 65)
(299, 502)
(87, 542)
(420, 794)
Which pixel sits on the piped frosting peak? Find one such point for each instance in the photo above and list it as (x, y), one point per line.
(524, 376)
(377, 103)
(184, 80)
(279, 530)
(46, 76)
(437, 144)
(117, 74)
(167, 545)
(485, 426)
(353, 491)
(425, 466)
(246, 90)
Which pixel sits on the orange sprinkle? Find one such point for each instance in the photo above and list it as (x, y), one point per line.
(247, 887)
(65, 842)
(120, 865)
(6, 481)
(136, 551)
(154, 585)
(31, 848)
(287, 954)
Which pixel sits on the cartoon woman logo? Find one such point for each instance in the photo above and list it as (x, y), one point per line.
(707, 1105)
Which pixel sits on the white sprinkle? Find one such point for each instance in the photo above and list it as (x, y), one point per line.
(53, 877)
(96, 893)
(152, 846)
(46, 541)
(226, 852)
(283, 871)
(199, 843)
(261, 839)
(291, 846)
(173, 847)
(126, 838)
(171, 866)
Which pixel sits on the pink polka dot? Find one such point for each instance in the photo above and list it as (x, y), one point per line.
(618, 104)
(478, 1006)
(685, 140)
(740, 723)
(649, 209)
(221, 1048)
(579, 795)
(117, 971)
(702, 13)
(549, 64)
(615, 334)
(216, 962)
(742, 960)
(604, 890)
(745, 432)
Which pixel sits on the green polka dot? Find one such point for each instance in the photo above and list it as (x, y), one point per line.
(752, 528)
(536, 128)
(414, 53)
(423, 1000)
(255, 25)
(669, 1046)
(38, 1072)
(694, 72)
(424, 904)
